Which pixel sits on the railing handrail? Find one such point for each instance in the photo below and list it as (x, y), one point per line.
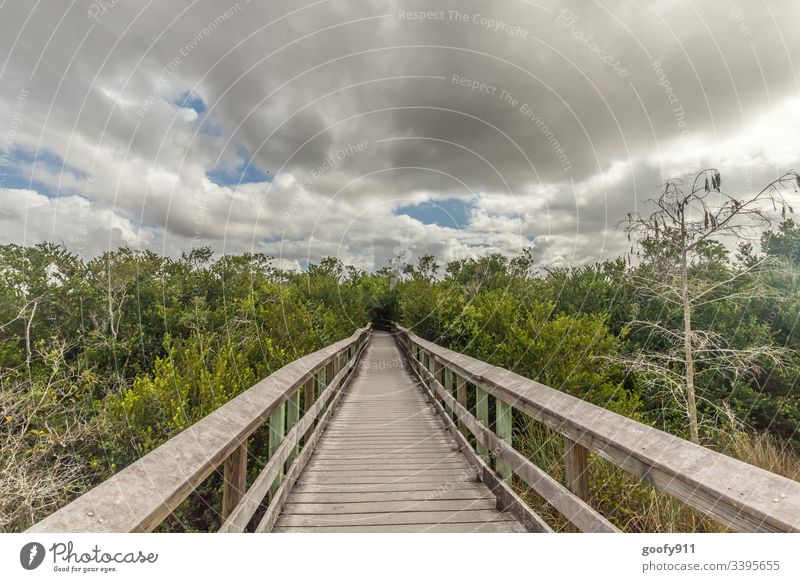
(143, 494)
(741, 496)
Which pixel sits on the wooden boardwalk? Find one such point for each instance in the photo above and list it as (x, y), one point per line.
(357, 443)
(386, 463)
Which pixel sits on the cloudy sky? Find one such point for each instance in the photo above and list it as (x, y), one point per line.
(361, 129)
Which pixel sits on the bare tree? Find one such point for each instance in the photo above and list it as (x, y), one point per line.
(40, 464)
(688, 227)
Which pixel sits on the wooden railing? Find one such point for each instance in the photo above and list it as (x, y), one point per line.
(740, 496)
(142, 495)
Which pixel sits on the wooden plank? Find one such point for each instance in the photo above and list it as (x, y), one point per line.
(388, 477)
(576, 464)
(388, 506)
(576, 472)
(237, 521)
(482, 413)
(449, 381)
(140, 496)
(309, 396)
(394, 444)
(329, 371)
(454, 459)
(422, 517)
(475, 492)
(473, 527)
(277, 429)
(437, 370)
(432, 487)
(234, 479)
(276, 503)
(386, 449)
(739, 495)
(357, 491)
(504, 425)
(383, 457)
(573, 508)
(506, 499)
(292, 417)
(452, 466)
(461, 397)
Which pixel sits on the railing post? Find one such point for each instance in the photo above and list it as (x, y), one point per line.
(504, 426)
(322, 381)
(461, 397)
(448, 386)
(482, 412)
(292, 417)
(437, 375)
(277, 429)
(234, 479)
(576, 471)
(308, 401)
(330, 372)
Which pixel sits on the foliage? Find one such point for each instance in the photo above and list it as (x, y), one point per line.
(103, 360)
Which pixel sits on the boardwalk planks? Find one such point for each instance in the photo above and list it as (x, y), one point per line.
(387, 463)
(741, 496)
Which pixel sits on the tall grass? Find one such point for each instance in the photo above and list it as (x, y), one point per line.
(628, 502)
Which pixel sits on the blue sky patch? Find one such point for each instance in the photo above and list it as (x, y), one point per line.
(190, 100)
(448, 213)
(16, 175)
(247, 172)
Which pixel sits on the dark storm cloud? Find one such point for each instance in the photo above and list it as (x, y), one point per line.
(551, 120)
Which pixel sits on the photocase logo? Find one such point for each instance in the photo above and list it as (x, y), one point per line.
(31, 555)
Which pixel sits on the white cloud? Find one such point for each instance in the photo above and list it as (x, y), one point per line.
(137, 165)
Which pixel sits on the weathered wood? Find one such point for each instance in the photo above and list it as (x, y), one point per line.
(376, 468)
(367, 466)
(277, 430)
(738, 495)
(570, 506)
(234, 479)
(415, 518)
(576, 464)
(292, 417)
(576, 471)
(140, 496)
(244, 512)
(279, 498)
(573, 508)
(361, 507)
(496, 526)
(309, 396)
(506, 498)
(329, 372)
(437, 370)
(433, 489)
(482, 414)
(504, 429)
(478, 491)
(461, 396)
(322, 379)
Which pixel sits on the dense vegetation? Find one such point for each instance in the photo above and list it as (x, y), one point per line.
(101, 361)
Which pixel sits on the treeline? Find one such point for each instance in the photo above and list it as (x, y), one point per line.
(102, 361)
